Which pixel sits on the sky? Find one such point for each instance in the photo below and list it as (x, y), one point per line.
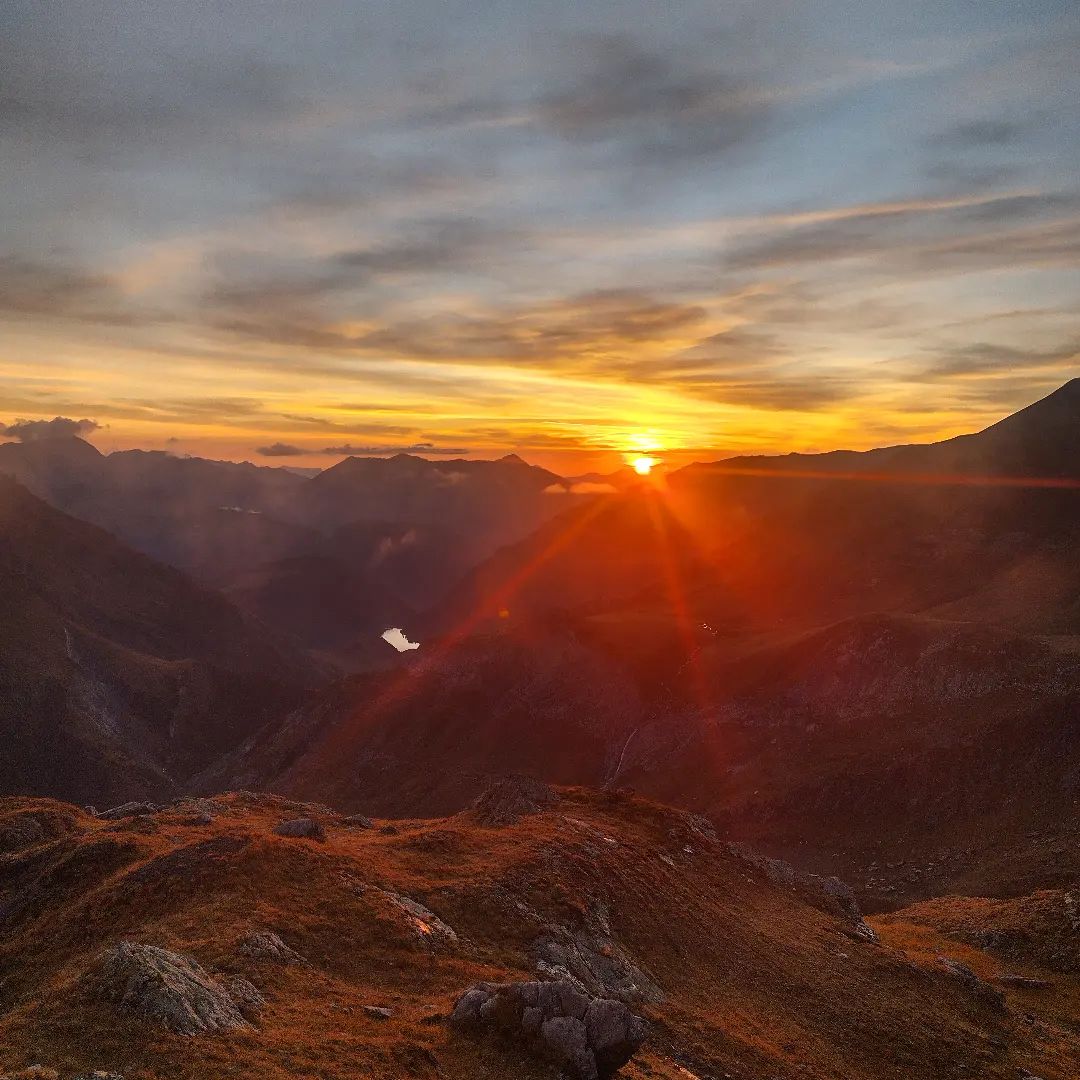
(572, 229)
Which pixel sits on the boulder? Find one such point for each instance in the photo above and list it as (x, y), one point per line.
(588, 1038)
(358, 821)
(266, 945)
(301, 827)
(171, 989)
(508, 800)
(427, 926)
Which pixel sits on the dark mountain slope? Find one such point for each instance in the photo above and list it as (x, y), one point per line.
(428, 739)
(118, 676)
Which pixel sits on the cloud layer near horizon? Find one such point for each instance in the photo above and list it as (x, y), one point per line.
(550, 228)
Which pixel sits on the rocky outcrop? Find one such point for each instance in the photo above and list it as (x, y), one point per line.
(266, 945)
(588, 1038)
(173, 990)
(427, 926)
(301, 827)
(590, 956)
(508, 800)
(358, 821)
(828, 894)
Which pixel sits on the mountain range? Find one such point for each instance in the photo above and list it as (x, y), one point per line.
(858, 666)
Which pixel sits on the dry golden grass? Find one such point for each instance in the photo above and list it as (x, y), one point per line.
(756, 984)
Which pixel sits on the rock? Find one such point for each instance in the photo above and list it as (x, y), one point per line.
(377, 1012)
(32, 1072)
(590, 957)
(508, 800)
(614, 1034)
(248, 1000)
(99, 1074)
(588, 1038)
(427, 925)
(266, 945)
(972, 983)
(828, 894)
(301, 827)
(170, 989)
(389, 830)
(358, 821)
(129, 809)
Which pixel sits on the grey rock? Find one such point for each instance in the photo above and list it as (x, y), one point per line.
(266, 945)
(590, 957)
(358, 821)
(563, 1040)
(301, 827)
(169, 989)
(428, 927)
(248, 999)
(588, 1038)
(614, 1034)
(378, 1012)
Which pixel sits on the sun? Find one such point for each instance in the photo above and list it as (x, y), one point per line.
(644, 465)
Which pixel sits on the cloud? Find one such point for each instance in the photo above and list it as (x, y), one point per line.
(280, 449)
(378, 451)
(652, 106)
(939, 235)
(59, 427)
(985, 358)
(595, 322)
(976, 134)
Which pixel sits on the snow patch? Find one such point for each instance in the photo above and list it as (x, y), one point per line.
(396, 637)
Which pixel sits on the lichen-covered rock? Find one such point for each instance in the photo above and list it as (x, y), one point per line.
(508, 800)
(266, 945)
(301, 827)
(589, 956)
(169, 989)
(427, 926)
(358, 821)
(589, 1039)
(248, 999)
